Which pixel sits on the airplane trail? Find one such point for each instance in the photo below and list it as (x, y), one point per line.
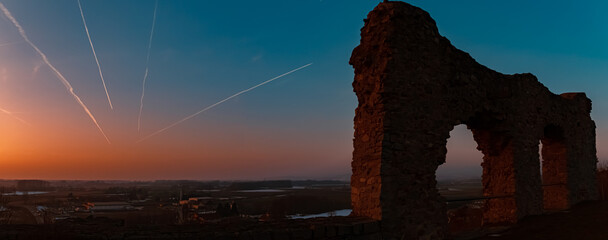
(65, 82)
(86, 28)
(8, 43)
(143, 85)
(220, 102)
(13, 115)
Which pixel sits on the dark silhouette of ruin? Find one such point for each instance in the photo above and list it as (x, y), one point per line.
(413, 87)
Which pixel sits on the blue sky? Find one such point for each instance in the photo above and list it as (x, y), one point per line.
(204, 51)
(563, 43)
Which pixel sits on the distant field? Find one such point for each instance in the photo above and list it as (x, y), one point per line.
(159, 202)
(462, 192)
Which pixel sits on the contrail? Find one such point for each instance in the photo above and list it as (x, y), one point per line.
(222, 101)
(13, 115)
(65, 82)
(8, 43)
(143, 85)
(95, 55)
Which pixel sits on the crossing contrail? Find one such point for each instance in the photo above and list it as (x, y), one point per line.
(222, 101)
(8, 43)
(143, 85)
(65, 82)
(86, 28)
(13, 115)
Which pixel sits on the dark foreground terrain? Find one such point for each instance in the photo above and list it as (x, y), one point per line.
(587, 220)
(251, 210)
(584, 221)
(103, 228)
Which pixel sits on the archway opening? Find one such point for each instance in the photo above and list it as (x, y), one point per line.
(459, 181)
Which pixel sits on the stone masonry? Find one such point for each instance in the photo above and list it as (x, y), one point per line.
(413, 87)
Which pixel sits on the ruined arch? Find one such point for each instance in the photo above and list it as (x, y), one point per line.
(497, 165)
(413, 86)
(463, 159)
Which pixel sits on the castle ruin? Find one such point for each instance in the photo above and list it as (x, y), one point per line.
(413, 87)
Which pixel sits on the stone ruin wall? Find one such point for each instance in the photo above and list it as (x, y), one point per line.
(413, 87)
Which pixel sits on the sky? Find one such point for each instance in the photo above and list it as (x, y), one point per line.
(298, 126)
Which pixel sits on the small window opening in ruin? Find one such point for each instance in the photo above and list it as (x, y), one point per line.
(459, 181)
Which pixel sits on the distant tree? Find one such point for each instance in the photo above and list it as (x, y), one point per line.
(5, 216)
(332, 214)
(278, 210)
(4, 200)
(220, 210)
(234, 210)
(26, 197)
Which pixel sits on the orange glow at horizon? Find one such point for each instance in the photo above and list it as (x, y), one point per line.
(68, 149)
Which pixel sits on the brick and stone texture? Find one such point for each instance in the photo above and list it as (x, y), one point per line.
(413, 87)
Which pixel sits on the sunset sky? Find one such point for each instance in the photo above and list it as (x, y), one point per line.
(298, 126)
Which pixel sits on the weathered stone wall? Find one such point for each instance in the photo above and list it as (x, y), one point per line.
(413, 87)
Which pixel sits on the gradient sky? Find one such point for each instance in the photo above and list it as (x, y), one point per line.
(299, 126)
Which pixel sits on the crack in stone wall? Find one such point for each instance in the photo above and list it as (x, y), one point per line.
(413, 87)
